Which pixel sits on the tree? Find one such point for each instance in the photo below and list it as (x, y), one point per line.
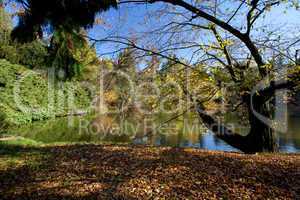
(202, 16)
(5, 25)
(6, 50)
(66, 52)
(120, 82)
(31, 54)
(71, 15)
(66, 21)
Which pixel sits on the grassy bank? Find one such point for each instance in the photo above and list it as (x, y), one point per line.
(90, 171)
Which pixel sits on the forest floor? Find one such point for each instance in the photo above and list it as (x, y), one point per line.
(139, 172)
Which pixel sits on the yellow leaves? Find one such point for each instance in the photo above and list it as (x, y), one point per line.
(268, 66)
(211, 25)
(84, 55)
(227, 42)
(294, 70)
(111, 96)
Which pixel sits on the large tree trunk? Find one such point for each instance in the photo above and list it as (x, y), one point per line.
(261, 137)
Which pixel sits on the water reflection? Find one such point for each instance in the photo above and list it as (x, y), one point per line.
(290, 140)
(181, 133)
(204, 141)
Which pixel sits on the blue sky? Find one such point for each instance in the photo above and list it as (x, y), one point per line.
(125, 21)
(130, 19)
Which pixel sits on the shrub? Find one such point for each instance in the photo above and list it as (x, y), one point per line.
(33, 94)
(33, 54)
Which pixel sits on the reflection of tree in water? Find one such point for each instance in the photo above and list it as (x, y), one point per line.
(201, 141)
(181, 139)
(291, 138)
(161, 140)
(216, 141)
(297, 143)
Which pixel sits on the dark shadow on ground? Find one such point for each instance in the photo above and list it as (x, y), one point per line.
(136, 172)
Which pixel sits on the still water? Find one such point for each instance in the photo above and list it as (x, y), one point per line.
(180, 133)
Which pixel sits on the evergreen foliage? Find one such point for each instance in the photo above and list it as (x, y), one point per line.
(69, 14)
(33, 95)
(70, 53)
(32, 54)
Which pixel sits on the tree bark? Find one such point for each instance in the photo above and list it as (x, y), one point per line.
(261, 137)
(220, 131)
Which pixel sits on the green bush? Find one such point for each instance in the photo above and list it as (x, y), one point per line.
(10, 53)
(32, 91)
(33, 54)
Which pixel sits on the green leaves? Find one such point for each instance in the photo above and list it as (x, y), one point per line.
(70, 52)
(34, 95)
(30, 54)
(33, 54)
(5, 21)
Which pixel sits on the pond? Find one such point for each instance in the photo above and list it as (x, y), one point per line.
(181, 133)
